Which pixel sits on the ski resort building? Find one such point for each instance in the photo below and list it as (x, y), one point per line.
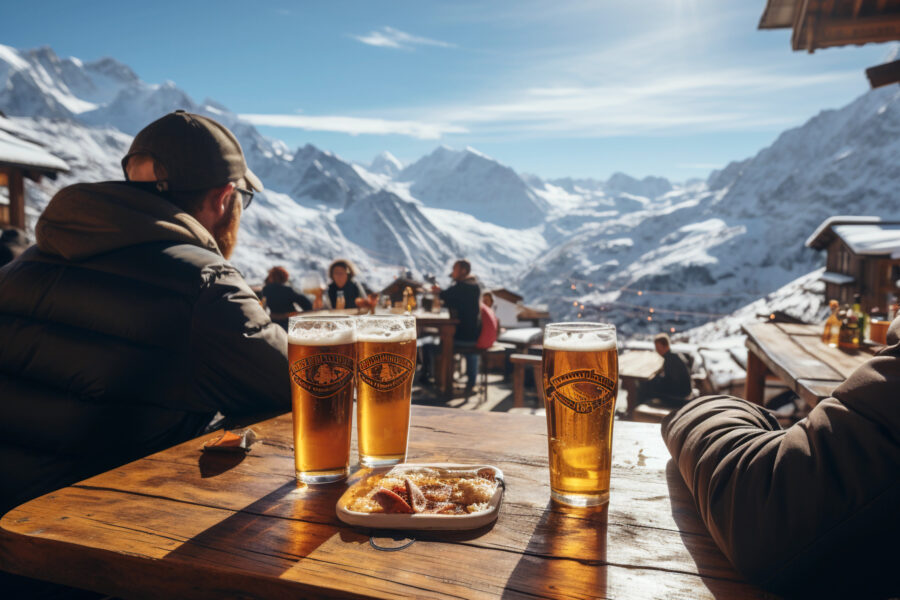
(863, 258)
(21, 158)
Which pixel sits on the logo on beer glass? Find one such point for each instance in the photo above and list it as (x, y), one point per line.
(584, 390)
(385, 371)
(322, 374)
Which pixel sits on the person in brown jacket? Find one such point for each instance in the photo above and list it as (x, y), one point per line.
(808, 511)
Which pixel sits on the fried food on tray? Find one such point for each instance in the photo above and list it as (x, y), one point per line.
(426, 490)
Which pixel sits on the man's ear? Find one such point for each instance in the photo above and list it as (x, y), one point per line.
(218, 200)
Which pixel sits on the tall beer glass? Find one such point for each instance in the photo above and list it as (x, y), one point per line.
(322, 359)
(386, 348)
(580, 385)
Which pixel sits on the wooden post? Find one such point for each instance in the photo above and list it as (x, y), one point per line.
(16, 199)
(755, 387)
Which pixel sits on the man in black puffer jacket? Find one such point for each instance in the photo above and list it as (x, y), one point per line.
(125, 329)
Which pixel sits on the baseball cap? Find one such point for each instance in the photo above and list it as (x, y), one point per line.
(197, 152)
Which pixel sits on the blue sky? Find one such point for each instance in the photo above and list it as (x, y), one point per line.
(569, 87)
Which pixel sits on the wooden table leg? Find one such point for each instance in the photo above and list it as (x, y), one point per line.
(538, 372)
(443, 376)
(518, 385)
(630, 386)
(755, 386)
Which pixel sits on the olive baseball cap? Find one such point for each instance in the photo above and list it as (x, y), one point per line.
(197, 152)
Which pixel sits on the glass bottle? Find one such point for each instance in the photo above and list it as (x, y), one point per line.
(832, 325)
(848, 338)
(862, 317)
(339, 300)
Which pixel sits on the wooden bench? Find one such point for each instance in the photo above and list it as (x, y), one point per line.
(520, 362)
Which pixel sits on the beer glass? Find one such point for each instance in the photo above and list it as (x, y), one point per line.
(580, 384)
(386, 350)
(322, 360)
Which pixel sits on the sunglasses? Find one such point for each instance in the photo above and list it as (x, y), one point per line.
(246, 196)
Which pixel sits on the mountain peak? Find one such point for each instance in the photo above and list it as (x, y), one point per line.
(386, 164)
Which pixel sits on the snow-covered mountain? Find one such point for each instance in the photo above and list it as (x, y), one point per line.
(700, 251)
(471, 182)
(611, 249)
(386, 164)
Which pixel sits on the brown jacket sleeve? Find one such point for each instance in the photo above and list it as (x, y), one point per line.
(813, 510)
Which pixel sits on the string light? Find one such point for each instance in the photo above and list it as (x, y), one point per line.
(772, 317)
(649, 318)
(573, 286)
(579, 315)
(575, 303)
(640, 293)
(651, 310)
(671, 330)
(582, 307)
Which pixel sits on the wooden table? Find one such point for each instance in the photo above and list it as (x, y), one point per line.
(796, 355)
(173, 526)
(446, 327)
(636, 366)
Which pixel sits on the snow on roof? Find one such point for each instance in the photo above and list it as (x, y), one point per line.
(877, 240)
(824, 233)
(18, 152)
(836, 278)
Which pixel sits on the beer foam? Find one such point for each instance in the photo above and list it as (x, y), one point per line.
(403, 335)
(581, 341)
(317, 337)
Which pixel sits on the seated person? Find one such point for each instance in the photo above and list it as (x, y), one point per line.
(812, 510)
(342, 285)
(489, 323)
(462, 299)
(671, 385)
(281, 299)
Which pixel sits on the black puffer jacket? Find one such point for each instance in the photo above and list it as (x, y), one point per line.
(123, 332)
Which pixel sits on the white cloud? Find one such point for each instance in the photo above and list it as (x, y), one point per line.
(388, 37)
(355, 125)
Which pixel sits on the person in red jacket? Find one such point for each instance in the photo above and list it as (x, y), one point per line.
(490, 326)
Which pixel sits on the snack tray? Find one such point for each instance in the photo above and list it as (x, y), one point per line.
(422, 522)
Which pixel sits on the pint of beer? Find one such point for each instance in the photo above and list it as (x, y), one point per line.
(386, 350)
(580, 385)
(322, 360)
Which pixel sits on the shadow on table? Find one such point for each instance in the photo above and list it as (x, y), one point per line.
(567, 550)
(716, 571)
(270, 535)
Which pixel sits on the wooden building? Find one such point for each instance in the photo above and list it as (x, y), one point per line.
(826, 23)
(21, 158)
(863, 258)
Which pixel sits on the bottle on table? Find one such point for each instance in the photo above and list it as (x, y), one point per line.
(340, 301)
(832, 325)
(862, 317)
(848, 338)
(409, 299)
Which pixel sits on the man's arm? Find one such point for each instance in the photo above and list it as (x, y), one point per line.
(239, 355)
(302, 301)
(808, 509)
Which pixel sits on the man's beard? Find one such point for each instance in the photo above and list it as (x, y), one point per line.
(226, 230)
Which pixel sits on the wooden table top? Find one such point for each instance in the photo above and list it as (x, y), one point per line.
(797, 355)
(179, 524)
(639, 364)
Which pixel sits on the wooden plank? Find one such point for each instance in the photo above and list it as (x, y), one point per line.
(167, 525)
(755, 382)
(844, 362)
(813, 391)
(795, 329)
(786, 358)
(886, 74)
(16, 185)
